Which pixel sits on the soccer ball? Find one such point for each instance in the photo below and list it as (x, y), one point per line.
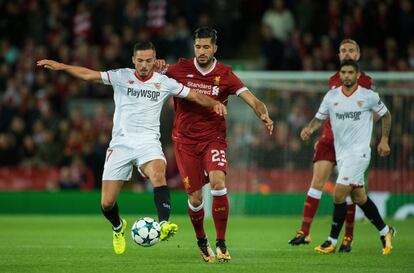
(146, 232)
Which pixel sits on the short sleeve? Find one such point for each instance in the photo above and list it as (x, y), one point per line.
(111, 77)
(323, 111)
(376, 104)
(236, 86)
(175, 88)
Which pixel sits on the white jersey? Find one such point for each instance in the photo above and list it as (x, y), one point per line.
(351, 118)
(138, 103)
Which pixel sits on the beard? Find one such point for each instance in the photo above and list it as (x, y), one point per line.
(143, 74)
(205, 63)
(349, 83)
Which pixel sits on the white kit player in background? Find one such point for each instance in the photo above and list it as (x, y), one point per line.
(139, 95)
(350, 109)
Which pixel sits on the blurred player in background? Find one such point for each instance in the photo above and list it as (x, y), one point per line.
(139, 95)
(199, 136)
(350, 108)
(324, 161)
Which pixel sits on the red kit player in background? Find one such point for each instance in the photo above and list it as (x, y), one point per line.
(324, 161)
(199, 136)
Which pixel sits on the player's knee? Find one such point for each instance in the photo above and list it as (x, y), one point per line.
(217, 180)
(359, 199)
(195, 201)
(107, 204)
(158, 179)
(318, 183)
(218, 186)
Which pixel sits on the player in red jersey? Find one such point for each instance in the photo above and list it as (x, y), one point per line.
(199, 136)
(324, 161)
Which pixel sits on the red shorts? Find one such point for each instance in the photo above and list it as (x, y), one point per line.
(325, 150)
(195, 161)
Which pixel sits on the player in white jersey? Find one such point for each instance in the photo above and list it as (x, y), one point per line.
(139, 95)
(350, 109)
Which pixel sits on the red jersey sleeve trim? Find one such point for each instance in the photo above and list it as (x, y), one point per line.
(381, 109)
(323, 113)
(109, 78)
(182, 88)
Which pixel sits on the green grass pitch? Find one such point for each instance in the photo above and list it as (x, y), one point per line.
(257, 244)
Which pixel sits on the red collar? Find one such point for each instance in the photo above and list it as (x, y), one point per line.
(141, 79)
(353, 91)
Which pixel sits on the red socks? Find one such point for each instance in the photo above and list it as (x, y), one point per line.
(309, 209)
(197, 219)
(220, 212)
(350, 220)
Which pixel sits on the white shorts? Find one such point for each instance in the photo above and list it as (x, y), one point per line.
(120, 159)
(351, 170)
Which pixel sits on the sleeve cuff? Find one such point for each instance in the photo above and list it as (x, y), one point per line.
(106, 79)
(241, 90)
(321, 116)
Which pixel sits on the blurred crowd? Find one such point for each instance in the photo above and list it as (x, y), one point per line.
(41, 125)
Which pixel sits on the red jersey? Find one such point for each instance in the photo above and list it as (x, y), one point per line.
(364, 81)
(194, 123)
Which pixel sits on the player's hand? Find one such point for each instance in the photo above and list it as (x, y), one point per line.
(160, 66)
(268, 123)
(50, 64)
(305, 133)
(220, 109)
(383, 148)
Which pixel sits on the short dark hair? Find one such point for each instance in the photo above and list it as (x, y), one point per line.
(144, 45)
(349, 63)
(206, 32)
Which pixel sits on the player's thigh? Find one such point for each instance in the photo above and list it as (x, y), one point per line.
(118, 163)
(190, 166)
(155, 170)
(151, 162)
(215, 159)
(322, 169)
(351, 171)
(324, 162)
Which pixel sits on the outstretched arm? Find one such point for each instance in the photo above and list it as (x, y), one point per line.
(307, 131)
(206, 101)
(383, 147)
(259, 108)
(76, 71)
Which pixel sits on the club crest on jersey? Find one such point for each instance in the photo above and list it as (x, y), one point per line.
(131, 82)
(217, 80)
(215, 91)
(157, 85)
(186, 182)
(360, 103)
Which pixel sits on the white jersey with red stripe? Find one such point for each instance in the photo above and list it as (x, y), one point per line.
(138, 103)
(352, 119)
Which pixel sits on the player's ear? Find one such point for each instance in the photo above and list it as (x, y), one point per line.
(358, 74)
(133, 59)
(215, 48)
